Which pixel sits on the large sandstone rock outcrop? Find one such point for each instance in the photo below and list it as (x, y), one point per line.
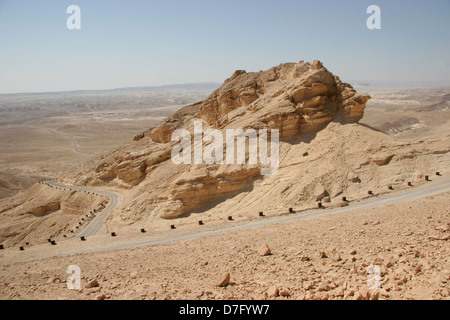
(292, 97)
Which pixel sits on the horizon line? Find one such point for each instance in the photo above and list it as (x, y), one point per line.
(437, 84)
(113, 89)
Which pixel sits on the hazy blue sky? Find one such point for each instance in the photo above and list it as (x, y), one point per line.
(144, 43)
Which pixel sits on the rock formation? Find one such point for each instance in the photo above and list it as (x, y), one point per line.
(293, 97)
(298, 99)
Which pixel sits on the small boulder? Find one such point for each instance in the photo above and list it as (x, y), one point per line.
(324, 287)
(223, 280)
(272, 292)
(92, 284)
(284, 293)
(339, 292)
(309, 285)
(305, 258)
(54, 280)
(357, 296)
(375, 295)
(264, 250)
(320, 192)
(100, 297)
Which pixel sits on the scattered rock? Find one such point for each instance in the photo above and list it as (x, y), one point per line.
(357, 296)
(320, 192)
(264, 250)
(92, 284)
(323, 287)
(349, 292)
(353, 177)
(223, 280)
(374, 295)
(284, 293)
(93, 290)
(443, 278)
(444, 238)
(309, 285)
(310, 296)
(338, 292)
(324, 296)
(100, 297)
(305, 258)
(54, 280)
(272, 292)
(417, 269)
(337, 257)
(365, 293)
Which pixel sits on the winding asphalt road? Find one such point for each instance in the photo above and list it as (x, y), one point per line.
(438, 186)
(94, 226)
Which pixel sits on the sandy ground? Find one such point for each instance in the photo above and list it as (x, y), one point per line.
(323, 258)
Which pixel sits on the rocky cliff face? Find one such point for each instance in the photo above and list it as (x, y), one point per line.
(293, 97)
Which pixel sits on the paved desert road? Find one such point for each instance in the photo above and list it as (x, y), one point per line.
(74, 142)
(439, 185)
(94, 226)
